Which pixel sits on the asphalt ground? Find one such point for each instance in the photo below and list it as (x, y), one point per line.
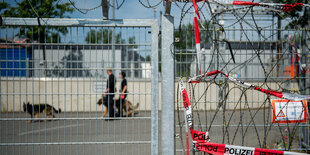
(78, 133)
(87, 133)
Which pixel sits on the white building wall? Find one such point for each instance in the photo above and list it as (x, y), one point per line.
(146, 70)
(93, 59)
(78, 94)
(252, 68)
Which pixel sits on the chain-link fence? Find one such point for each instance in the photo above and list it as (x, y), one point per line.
(54, 86)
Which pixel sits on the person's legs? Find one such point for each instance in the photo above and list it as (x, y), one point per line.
(121, 107)
(118, 105)
(110, 105)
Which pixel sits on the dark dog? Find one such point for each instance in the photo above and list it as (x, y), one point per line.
(35, 109)
(127, 106)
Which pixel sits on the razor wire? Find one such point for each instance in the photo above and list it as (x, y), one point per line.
(222, 84)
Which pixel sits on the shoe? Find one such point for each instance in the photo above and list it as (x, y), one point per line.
(117, 115)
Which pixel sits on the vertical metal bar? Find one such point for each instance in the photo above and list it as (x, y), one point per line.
(80, 73)
(96, 65)
(58, 98)
(154, 89)
(32, 86)
(120, 110)
(40, 78)
(167, 86)
(113, 70)
(90, 81)
(144, 79)
(108, 107)
(126, 62)
(302, 86)
(65, 90)
(7, 89)
(115, 80)
(139, 88)
(84, 96)
(45, 86)
(52, 86)
(71, 75)
(113, 36)
(13, 87)
(279, 49)
(133, 73)
(1, 106)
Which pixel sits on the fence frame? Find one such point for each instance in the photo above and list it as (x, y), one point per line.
(152, 23)
(167, 91)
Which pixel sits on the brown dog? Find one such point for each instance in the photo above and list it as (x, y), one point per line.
(128, 108)
(35, 109)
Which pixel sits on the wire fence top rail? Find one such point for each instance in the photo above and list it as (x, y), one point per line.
(11, 21)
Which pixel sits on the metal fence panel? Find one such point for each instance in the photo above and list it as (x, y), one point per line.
(63, 63)
(232, 114)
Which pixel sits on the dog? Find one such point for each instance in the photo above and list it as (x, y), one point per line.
(35, 109)
(127, 106)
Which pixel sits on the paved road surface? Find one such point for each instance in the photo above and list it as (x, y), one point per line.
(83, 136)
(82, 133)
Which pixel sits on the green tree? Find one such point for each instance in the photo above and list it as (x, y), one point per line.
(103, 36)
(3, 5)
(184, 41)
(38, 9)
(186, 35)
(148, 58)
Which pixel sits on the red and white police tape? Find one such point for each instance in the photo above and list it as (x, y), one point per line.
(197, 35)
(197, 39)
(196, 9)
(187, 105)
(284, 95)
(223, 149)
(201, 140)
(274, 6)
(271, 6)
(187, 113)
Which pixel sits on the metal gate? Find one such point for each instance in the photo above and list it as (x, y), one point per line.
(230, 113)
(63, 63)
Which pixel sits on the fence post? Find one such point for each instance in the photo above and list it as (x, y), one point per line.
(154, 90)
(167, 86)
(303, 84)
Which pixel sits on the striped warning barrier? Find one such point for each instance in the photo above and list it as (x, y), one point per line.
(201, 140)
(223, 149)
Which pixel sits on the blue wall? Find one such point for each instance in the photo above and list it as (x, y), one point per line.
(13, 61)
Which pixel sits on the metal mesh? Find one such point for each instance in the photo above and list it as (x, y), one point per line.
(62, 63)
(233, 114)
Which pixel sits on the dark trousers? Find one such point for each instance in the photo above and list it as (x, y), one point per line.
(119, 105)
(110, 102)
